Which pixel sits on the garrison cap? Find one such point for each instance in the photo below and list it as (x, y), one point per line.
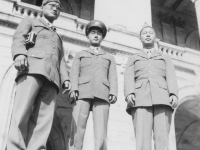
(146, 25)
(44, 2)
(96, 24)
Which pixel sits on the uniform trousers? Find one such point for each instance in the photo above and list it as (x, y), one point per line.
(81, 110)
(32, 114)
(146, 119)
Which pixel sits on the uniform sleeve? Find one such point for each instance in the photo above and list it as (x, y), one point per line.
(18, 45)
(63, 69)
(74, 73)
(171, 77)
(129, 77)
(113, 78)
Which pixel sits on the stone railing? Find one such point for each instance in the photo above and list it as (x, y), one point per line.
(180, 53)
(24, 10)
(27, 10)
(75, 28)
(174, 51)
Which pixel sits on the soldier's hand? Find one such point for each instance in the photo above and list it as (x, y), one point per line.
(173, 101)
(130, 99)
(66, 87)
(21, 62)
(112, 99)
(74, 96)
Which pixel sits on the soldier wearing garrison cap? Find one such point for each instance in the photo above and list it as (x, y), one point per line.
(41, 73)
(151, 93)
(94, 87)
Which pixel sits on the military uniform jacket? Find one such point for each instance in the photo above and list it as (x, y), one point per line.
(151, 79)
(46, 57)
(94, 75)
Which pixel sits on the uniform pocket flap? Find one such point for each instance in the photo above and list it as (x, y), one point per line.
(84, 55)
(138, 85)
(158, 57)
(84, 80)
(36, 53)
(105, 81)
(106, 57)
(39, 25)
(45, 36)
(162, 85)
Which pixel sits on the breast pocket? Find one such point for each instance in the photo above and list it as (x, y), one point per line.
(85, 60)
(44, 34)
(140, 64)
(105, 61)
(159, 63)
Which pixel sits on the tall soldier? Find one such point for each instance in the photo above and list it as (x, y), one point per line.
(40, 70)
(151, 92)
(94, 87)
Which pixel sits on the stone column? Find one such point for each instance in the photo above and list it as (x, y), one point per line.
(6, 6)
(197, 6)
(125, 14)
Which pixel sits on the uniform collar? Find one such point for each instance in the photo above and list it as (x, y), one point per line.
(47, 22)
(90, 50)
(92, 47)
(43, 22)
(145, 50)
(153, 54)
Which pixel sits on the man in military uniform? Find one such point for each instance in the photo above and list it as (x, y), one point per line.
(151, 93)
(40, 70)
(94, 87)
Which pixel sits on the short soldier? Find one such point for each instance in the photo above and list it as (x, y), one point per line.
(151, 92)
(94, 87)
(40, 67)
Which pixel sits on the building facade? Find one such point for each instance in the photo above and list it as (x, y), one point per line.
(177, 24)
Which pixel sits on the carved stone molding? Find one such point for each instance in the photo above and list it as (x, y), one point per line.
(8, 24)
(189, 71)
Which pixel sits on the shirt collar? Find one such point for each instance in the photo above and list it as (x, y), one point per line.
(148, 50)
(95, 48)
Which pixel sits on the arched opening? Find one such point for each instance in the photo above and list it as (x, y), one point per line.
(57, 139)
(174, 20)
(187, 124)
(192, 41)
